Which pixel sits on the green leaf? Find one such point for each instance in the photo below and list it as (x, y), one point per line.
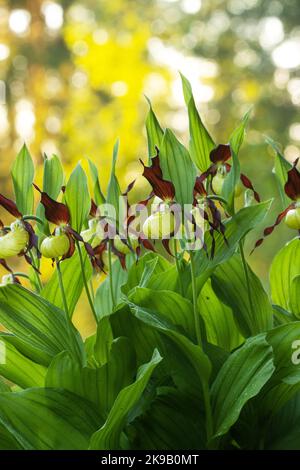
(154, 132)
(48, 419)
(198, 359)
(169, 305)
(284, 428)
(72, 279)
(114, 191)
(22, 176)
(237, 137)
(230, 284)
(53, 179)
(18, 368)
(295, 297)
(236, 228)
(41, 325)
(201, 143)
(220, 326)
(99, 385)
(108, 437)
(241, 378)
(77, 198)
(103, 301)
(98, 195)
(284, 269)
(281, 167)
(177, 167)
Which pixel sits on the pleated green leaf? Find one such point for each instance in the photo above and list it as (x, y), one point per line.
(48, 419)
(98, 195)
(72, 279)
(220, 326)
(78, 198)
(201, 142)
(22, 176)
(230, 284)
(241, 378)
(284, 269)
(154, 132)
(281, 167)
(38, 323)
(284, 429)
(177, 166)
(108, 436)
(18, 368)
(103, 300)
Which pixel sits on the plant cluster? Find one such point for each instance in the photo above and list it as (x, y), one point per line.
(189, 352)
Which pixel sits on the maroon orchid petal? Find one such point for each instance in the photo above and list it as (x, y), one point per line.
(166, 245)
(71, 249)
(147, 244)
(164, 189)
(292, 186)
(121, 256)
(247, 183)
(33, 239)
(199, 188)
(220, 154)
(55, 212)
(5, 265)
(129, 188)
(269, 230)
(94, 208)
(10, 206)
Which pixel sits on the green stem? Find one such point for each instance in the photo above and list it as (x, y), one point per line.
(85, 282)
(92, 291)
(18, 274)
(178, 267)
(246, 276)
(111, 286)
(195, 305)
(37, 276)
(62, 290)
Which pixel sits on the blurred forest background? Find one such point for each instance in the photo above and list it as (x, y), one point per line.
(73, 75)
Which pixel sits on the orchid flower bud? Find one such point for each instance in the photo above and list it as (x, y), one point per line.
(218, 182)
(14, 242)
(159, 225)
(7, 279)
(292, 218)
(56, 245)
(94, 234)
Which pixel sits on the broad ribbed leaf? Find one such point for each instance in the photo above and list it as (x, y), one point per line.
(99, 385)
(103, 301)
(284, 269)
(18, 368)
(230, 284)
(53, 178)
(108, 437)
(220, 326)
(39, 323)
(77, 198)
(22, 175)
(114, 191)
(168, 305)
(177, 167)
(98, 195)
(241, 377)
(48, 419)
(201, 142)
(284, 429)
(154, 132)
(72, 280)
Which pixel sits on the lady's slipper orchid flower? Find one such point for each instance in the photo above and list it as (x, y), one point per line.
(61, 244)
(219, 169)
(19, 238)
(292, 213)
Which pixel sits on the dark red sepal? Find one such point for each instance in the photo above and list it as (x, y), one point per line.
(5, 265)
(220, 154)
(269, 230)
(29, 261)
(164, 189)
(10, 206)
(55, 212)
(292, 186)
(247, 183)
(94, 208)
